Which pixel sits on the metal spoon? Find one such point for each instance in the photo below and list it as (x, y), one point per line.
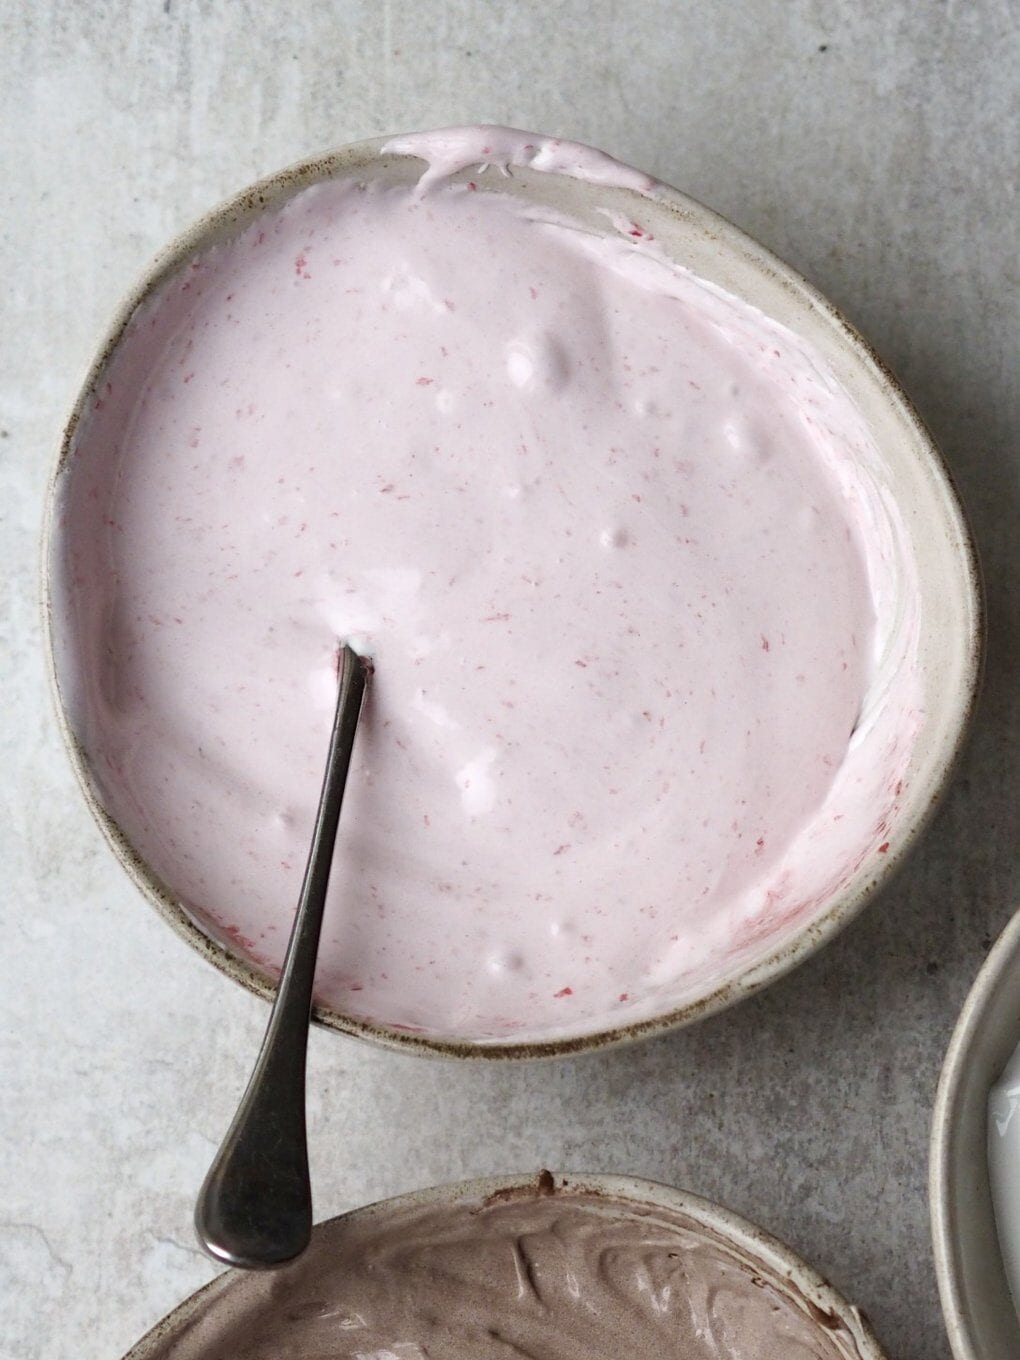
(255, 1207)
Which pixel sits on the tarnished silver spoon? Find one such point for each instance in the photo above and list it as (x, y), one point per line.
(255, 1207)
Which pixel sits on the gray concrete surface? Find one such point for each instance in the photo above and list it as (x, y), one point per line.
(874, 146)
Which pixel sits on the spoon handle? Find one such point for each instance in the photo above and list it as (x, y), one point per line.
(255, 1207)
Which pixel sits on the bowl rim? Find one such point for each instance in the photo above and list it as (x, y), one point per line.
(733, 1228)
(948, 1241)
(816, 932)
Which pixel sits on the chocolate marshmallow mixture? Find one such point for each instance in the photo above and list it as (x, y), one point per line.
(559, 1277)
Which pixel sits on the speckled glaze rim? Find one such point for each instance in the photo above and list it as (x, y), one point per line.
(750, 1240)
(816, 932)
(972, 1283)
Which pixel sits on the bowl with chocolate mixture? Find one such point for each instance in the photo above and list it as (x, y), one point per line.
(552, 1268)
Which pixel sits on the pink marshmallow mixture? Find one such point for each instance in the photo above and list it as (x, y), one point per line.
(614, 540)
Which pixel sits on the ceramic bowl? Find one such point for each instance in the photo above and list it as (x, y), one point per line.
(980, 1316)
(939, 545)
(201, 1328)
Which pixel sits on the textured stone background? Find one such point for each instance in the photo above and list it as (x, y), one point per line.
(874, 146)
